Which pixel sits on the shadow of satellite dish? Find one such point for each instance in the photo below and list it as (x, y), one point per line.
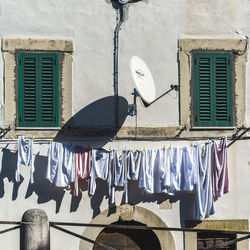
(95, 120)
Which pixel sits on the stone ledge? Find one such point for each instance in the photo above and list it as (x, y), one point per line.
(37, 44)
(188, 45)
(149, 131)
(229, 225)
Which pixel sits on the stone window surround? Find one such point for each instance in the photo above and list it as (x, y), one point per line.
(238, 47)
(10, 48)
(227, 225)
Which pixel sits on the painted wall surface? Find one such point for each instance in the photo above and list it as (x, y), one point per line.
(60, 205)
(151, 31)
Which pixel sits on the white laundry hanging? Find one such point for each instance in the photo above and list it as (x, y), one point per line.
(101, 168)
(204, 206)
(134, 164)
(119, 177)
(188, 169)
(24, 156)
(175, 170)
(61, 164)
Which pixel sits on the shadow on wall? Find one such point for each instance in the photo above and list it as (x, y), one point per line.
(41, 186)
(9, 160)
(95, 120)
(136, 195)
(46, 192)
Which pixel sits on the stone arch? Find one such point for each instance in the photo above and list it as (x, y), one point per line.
(127, 213)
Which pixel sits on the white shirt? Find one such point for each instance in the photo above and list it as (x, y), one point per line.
(24, 156)
(61, 166)
(101, 168)
(204, 205)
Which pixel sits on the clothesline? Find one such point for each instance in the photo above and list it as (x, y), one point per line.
(162, 170)
(87, 139)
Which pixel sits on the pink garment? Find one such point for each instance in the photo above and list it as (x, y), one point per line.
(220, 170)
(82, 160)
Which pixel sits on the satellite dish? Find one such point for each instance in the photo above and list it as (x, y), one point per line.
(145, 85)
(143, 79)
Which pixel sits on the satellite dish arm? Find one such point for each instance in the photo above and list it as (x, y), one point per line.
(132, 108)
(172, 87)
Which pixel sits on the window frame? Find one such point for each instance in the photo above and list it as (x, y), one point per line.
(10, 49)
(208, 239)
(224, 225)
(186, 47)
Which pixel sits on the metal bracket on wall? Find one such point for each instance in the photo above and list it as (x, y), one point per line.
(181, 130)
(4, 131)
(132, 108)
(237, 136)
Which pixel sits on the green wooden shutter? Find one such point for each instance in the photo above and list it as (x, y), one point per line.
(38, 89)
(223, 90)
(49, 90)
(28, 82)
(212, 77)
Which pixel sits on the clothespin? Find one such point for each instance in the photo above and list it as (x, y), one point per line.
(32, 136)
(170, 146)
(110, 148)
(191, 144)
(144, 149)
(19, 133)
(164, 147)
(125, 148)
(51, 140)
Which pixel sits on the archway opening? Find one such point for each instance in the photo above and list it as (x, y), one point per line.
(128, 239)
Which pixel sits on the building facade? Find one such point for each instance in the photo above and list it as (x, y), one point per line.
(69, 47)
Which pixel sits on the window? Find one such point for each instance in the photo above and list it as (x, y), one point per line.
(38, 89)
(38, 80)
(212, 75)
(212, 89)
(203, 240)
(206, 240)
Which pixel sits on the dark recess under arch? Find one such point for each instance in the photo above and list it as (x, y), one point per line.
(124, 239)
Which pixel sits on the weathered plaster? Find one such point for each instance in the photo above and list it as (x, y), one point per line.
(237, 46)
(38, 44)
(148, 131)
(127, 212)
(9, 96)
